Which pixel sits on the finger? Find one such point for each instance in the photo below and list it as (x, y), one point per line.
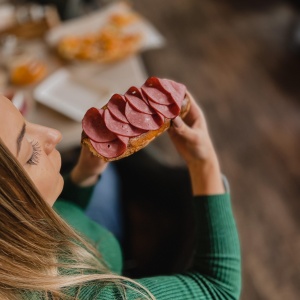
(179, 128)
(86, 151)
(194, 113)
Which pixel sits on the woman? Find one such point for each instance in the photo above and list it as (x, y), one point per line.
(41, 255)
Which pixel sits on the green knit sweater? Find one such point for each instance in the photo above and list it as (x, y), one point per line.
(215, 274)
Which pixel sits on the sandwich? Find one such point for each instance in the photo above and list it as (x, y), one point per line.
(130, 121)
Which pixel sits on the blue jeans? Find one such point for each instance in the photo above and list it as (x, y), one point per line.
(105, 206)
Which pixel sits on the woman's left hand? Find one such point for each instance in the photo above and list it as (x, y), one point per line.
(88, 168)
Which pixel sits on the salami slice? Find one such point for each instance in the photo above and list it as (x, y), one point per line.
(116, 106)
(120, 128)
(94, 126)
(179, 88)
(169, 111)
(141, 120)
(152, 82)
(156, 95)
(135, 91)
(139, 103)
(111, 149)
(124, 139)
(167, 85)
(101, 111)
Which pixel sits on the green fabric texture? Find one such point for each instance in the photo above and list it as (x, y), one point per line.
(104, 241)
(79, 196)
(216, 271)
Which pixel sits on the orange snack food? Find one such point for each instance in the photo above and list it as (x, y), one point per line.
(27, 72)
(110, 43)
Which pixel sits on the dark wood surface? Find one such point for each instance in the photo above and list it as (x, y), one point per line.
(238, 62)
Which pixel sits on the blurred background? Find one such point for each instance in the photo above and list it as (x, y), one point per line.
(241, 60)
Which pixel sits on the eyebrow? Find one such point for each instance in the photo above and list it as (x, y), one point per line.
(20, 138)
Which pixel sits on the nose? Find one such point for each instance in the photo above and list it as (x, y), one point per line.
(52, 138)
(47, 137)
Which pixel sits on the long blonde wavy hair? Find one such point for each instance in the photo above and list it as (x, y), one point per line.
(41, 256)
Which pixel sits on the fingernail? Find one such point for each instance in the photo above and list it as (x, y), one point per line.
(177, 122)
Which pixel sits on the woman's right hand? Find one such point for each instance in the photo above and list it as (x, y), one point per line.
(88, 168)
(191, 139)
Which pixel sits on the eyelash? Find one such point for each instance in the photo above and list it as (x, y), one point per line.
(36, 151)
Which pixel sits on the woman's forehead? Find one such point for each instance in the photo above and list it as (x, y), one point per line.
(7, 108)
(11, 123)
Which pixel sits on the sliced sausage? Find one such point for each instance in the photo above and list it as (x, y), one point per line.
(169, 111)
(168, 85)
(164, 86)
(179, 88)
(120, 128)
(139, 104)
(94, 126)
(111, 149)
(141, 120)
(155, 95)
(135, 91)
(116, 106)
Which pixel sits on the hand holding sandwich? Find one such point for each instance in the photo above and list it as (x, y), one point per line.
(191, 139)
(88, 168)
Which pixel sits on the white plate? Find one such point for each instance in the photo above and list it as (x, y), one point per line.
(74, 90)
(96, 20)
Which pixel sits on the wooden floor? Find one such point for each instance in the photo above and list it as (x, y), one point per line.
(236, 59)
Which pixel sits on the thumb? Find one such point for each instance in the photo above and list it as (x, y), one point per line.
(177, 123)
(179, 127)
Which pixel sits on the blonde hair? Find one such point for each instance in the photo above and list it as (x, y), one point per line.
(40, 254)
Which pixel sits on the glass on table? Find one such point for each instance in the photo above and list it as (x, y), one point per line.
(23, 67)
